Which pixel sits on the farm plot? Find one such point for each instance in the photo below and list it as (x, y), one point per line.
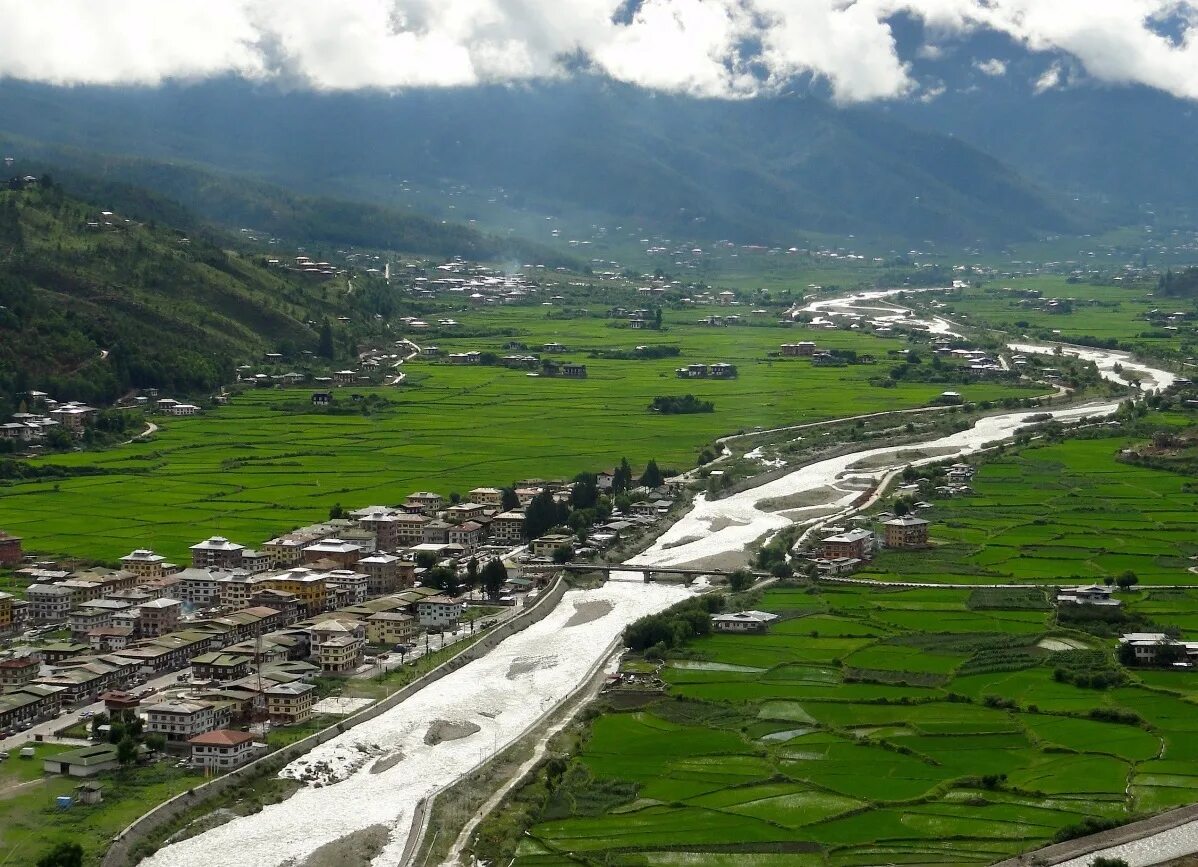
(269, 461)
(1061, 513)
(801, 758)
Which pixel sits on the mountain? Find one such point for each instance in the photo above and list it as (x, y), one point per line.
(1120, 150)
(92, 305)
(763, 170)
(177, 191)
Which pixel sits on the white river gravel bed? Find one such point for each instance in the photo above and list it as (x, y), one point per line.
(551, 660)
(507, 691)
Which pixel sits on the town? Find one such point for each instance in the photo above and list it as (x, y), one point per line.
(207, 653)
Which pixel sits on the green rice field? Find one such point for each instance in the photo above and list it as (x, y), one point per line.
(269, 462)
(1062, 512)
(870, 726)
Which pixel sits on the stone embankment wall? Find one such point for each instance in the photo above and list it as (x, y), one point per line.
(121, 852)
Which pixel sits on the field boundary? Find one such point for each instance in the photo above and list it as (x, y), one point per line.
(120, 852)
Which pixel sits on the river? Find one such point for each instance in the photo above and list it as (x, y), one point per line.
(508, 691)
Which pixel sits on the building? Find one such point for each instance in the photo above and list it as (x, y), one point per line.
(388, 628)
(86, 762)
(507, 528)
(18, 671)
(487, 496)
(548, 545)
(308, 587)
(200, 587)
(179, 721)
(468, 535)
(10, 549)
(805, 348)
(159, 616)
(290, 703)
(425, 501)
(338, 645)
(49, 603)
(906, 532)
(855, 544)
(1094, 594)
(221, 750)
(743, 621)
(343, 553)
(438, 612)
(216, 551)
(220, 666)
(355, 584)
(386, 573)
(7, 616)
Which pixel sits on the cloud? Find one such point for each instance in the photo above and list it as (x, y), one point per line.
(993, 67)
(724, 48)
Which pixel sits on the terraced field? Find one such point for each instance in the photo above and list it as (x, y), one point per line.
(871, 726)
(268, 462)
(1063, 512)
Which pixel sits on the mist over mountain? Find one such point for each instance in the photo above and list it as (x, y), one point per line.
(762, 170)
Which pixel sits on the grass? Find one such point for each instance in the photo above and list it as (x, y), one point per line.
(1067, 512)
(788, 758)
(32, 823)
(267, 462)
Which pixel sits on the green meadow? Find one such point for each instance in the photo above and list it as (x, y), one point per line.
(268, 461)
(869, 726)
(1105, 311)
(1066, 511)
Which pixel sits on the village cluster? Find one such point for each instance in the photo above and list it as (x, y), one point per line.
(251, 629)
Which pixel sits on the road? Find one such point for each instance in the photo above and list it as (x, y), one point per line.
(69, 718)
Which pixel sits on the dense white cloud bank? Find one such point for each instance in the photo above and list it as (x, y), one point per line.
(702, 47)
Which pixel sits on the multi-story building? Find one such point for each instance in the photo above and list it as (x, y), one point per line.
(465, 512)
(216, 551)
(18, 671)
(159, 617)
(386, 573)
(337, 645)
(340, 552)
(180, 720)
(383, 525)
(492, 497)
(6, 613)
(906, 532)
(221, 750)
(309, 588)
(200, 587)
(856, 544)
(10, 549)
(468, 535)
(439, 612)
(49, 603)
(390, 628)
(290, 703)
(409, 529)
(425, 501)
(144, 563)
(507, 528)
(357, 583)
(236, 589)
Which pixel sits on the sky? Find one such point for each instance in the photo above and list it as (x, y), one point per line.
(711, 48)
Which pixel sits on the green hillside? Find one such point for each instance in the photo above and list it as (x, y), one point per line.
(89, 311)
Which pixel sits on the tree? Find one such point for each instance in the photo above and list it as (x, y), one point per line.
(585, 492)
(901, 508)
(622, 478)
(63, 855)
(508, 499)
(336, 511)
(126, 751)
(657, 318)
(472, 573)
(540, 515)
(1127, 580)
(325, 348)
(652, 477)
(156, 741)
(740, 580)
(494, 576)
(563, 554)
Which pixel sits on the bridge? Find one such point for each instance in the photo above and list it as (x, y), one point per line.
(674, 574)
